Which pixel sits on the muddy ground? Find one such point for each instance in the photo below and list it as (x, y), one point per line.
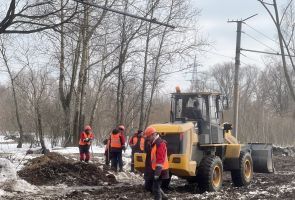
(279, 185)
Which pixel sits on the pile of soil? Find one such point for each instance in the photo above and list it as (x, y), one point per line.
(287, 151)
(53, 168)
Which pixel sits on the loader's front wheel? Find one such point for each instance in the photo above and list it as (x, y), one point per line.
(210, 174)
(243, 176)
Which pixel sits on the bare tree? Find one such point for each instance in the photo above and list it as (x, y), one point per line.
(12, 77)
(34, 86)
(224, 74)
(25, 17)
(284, 45)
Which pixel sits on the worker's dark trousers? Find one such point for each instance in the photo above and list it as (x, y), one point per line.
(117, 159)
(84, 152)
(107, 158)
(157, 189)
(154, 186)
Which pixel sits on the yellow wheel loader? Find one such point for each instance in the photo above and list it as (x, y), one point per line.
(201, 147)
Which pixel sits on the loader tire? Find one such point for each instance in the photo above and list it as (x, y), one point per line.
(210, 174)
(243, 176)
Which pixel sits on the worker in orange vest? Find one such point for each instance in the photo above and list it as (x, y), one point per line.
(136, 143)
(156, 163)
(86, 138)
(117, 143)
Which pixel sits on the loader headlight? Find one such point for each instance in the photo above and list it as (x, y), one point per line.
(176, 160)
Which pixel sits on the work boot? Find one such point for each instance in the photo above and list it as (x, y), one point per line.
(164, 196)
(114, 169)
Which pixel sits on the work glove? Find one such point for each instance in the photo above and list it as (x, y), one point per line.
(86, 139)
(158, 171)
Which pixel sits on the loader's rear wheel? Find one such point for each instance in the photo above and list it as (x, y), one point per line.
(244, 175)
(210, 174)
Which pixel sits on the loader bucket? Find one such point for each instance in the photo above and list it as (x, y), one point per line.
(262, 157)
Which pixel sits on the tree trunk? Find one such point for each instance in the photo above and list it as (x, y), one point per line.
(20, 126)
(143, 89)
(39, 127)
(79, 115)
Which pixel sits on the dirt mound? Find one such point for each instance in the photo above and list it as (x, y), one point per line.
(53, 168)
(285, 151)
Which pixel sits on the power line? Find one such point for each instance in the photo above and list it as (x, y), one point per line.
(126, 14)
(258, 41)
(248, 57)
(219, 54)
(260, 33)
(264, 52)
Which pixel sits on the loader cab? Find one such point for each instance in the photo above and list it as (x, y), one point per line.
(204, 109)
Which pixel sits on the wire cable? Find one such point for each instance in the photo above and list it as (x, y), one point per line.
(218, 54)
(252, 59)
(258, 41)
(261, 33)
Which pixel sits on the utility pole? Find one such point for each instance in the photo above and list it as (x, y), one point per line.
(195, 76)
(236, 77)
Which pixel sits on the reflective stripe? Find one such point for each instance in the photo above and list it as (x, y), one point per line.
(116, 141)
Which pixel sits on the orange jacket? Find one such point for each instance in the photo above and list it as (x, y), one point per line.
(141, 144)
(135, 144)
(159, 156)
(116, 140)
(84, 136)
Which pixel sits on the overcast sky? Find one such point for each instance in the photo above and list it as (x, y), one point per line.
(213, 20)
(259, 32)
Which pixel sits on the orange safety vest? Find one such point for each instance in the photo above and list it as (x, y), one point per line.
(134, 140)
(164, 166)
(141, 144)
(83, 136)
(116, 140)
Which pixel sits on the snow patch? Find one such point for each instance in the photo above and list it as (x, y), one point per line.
(7, 171)
(2, 193)
(9, 180)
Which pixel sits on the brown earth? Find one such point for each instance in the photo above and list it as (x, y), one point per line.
(53, 168)
(278, 185)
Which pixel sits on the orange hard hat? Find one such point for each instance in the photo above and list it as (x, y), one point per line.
(149, 131)
(87, 128)
(121, 127)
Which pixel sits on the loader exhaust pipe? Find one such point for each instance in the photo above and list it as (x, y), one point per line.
(262, 157)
